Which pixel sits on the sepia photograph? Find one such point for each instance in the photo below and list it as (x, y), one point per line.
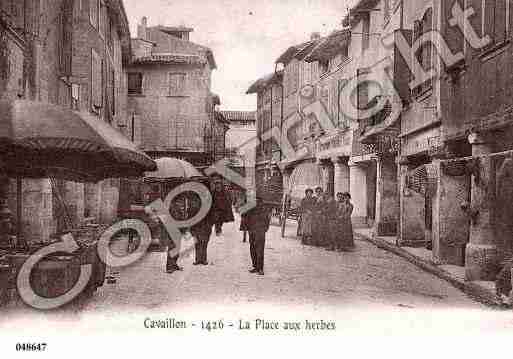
(256, 178)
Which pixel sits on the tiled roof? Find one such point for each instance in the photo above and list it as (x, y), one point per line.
(297, 51)
(239, 115)
(171, 59)
(263, 82)
(330, 46)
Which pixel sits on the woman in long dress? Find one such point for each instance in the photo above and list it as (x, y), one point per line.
(306, 210)
(345, 209)
(332, 220)
(319, 223)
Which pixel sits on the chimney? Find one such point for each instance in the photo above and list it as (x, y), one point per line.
(315, 36)
(141, 28)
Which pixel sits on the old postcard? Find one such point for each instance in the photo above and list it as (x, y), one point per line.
(314, 174)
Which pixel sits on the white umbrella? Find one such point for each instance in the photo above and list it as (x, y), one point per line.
(169, 168)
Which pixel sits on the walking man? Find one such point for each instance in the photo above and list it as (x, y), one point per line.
(258, 220)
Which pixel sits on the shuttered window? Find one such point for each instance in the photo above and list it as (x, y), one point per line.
(495, 20)
(94, 13)
(177, 84)
(365, 31)
(363, 90)
(386, 10)
(342, 120)
(424, 54)
(135, 80)
(96, 81)
(66, 41)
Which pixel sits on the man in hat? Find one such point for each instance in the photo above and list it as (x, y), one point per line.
(258, 220)
(203, 228)
(222, 206)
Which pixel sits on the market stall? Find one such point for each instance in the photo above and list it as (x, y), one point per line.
(39, 140)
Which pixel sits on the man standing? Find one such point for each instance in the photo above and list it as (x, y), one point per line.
(222, 207)
(258, 220)
(201, 230)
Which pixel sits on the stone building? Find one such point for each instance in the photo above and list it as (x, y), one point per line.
(170, 103)
(242, 130)
(476, 141)
(269, 114)
(373, 170)
(73, 54)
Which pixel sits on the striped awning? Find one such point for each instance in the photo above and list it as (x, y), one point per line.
(422, 179)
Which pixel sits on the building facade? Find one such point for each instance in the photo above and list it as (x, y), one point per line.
(269, 114)
(242, 130)
(72, 54)
(170, 103)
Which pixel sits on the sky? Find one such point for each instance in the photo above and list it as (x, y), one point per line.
(246, 36)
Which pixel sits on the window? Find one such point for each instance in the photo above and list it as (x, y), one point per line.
(324, 66)
(365, 31)
(66, 41)
(103, 20)
(110, 35)
(75, 96)
(386, 11)
(425, 53)
(362, 100)
(177, 84)
(344, 54)
(495, 20)
(94, 13)
(13, 12)
(113, 92)
(96, 82)
(135, 80)
(342, 121)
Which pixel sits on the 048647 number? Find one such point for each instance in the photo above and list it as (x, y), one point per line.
(30, 347)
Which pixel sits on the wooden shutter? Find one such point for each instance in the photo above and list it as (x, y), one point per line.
(177, 84)
(96, 81)
(402, 74)
(94, 10)
(500, 21)
(363, 91)
(66, 41)
(489, 18)
(366, 31)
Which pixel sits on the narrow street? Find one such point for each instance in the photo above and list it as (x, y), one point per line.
(295, 275)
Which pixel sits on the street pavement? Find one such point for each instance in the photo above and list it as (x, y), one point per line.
(294, 274)
(365, 292)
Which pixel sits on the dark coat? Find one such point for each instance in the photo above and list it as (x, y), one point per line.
(204, 226)
(258, 219)
(222, 207)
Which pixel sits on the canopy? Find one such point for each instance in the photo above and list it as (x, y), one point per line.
(422, 179)
(40, 140)
(304, 176)
(170, 168)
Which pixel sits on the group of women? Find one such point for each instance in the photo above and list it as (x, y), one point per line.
(325, 221)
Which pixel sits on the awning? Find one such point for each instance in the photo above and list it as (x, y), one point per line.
(40, 140)
(422, 179)
(383, 122)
